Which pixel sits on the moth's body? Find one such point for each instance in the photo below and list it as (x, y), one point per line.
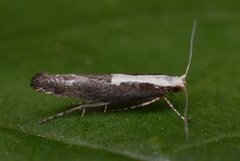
(112, 88)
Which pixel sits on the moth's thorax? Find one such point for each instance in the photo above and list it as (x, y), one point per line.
(158, 80)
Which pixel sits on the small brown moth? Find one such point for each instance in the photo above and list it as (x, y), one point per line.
(104, 90)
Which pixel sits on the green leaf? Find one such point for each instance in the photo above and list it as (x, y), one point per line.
(113, 36)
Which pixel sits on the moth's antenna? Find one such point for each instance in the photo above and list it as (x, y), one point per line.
(191, 47)
(185, 75)
(185, 115)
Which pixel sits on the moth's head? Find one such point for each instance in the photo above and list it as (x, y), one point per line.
(183, 77)
(179, 82)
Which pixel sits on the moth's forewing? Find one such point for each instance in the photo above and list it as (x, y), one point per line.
(98, 88)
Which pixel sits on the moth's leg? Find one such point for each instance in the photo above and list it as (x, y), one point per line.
(173, 108)
(83, 112)
(139, 105)
(83, 107)
(105, 108)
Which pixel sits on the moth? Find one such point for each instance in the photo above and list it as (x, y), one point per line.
(105, 90)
